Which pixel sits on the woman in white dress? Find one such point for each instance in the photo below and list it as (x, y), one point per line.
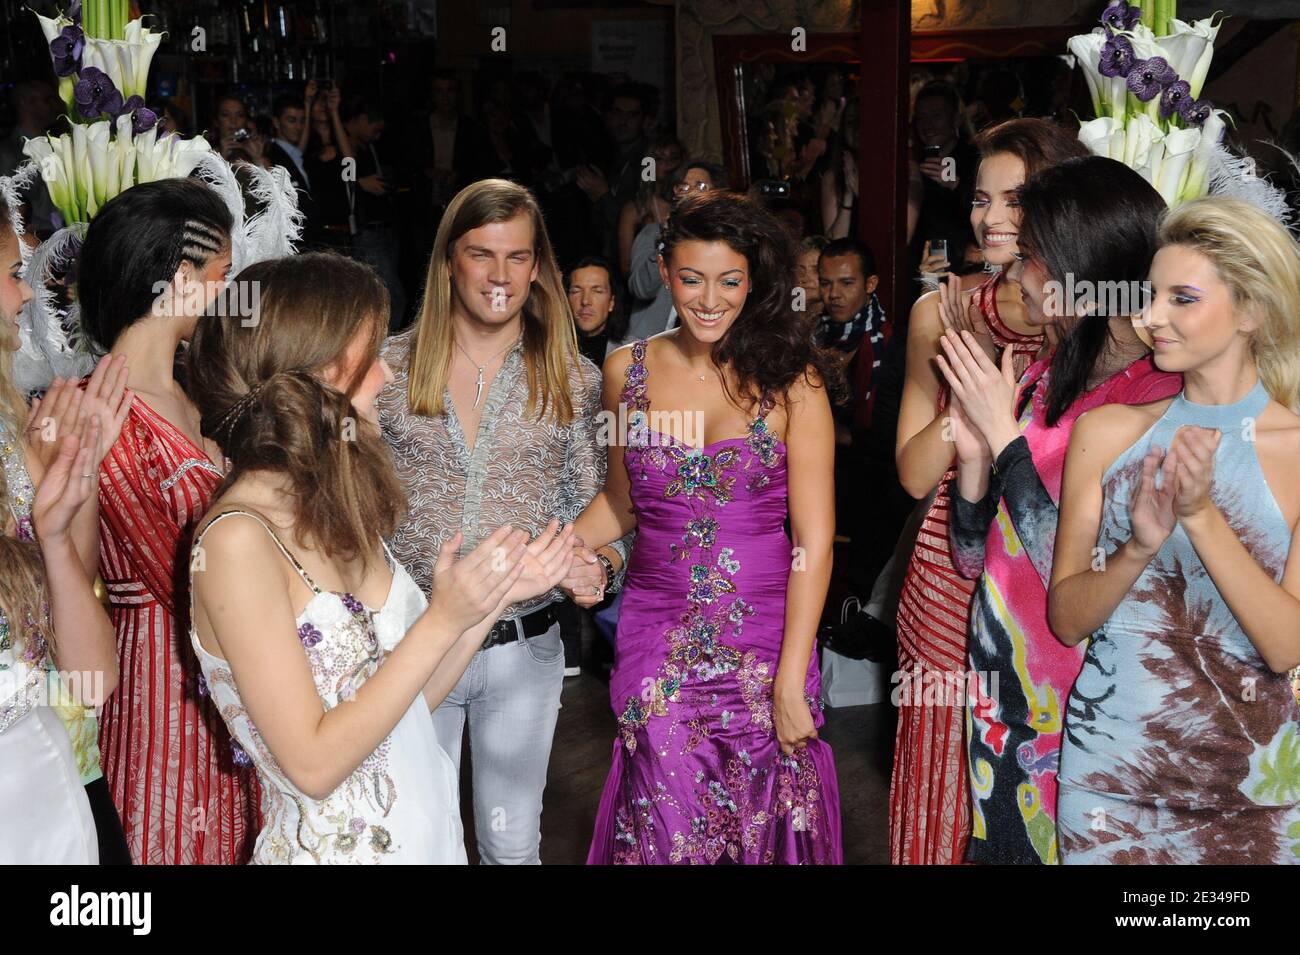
(50, 621)
(298, 608)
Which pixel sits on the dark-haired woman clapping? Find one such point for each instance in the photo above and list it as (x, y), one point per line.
(1088, 224)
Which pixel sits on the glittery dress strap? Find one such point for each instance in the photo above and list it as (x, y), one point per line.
(306, 578)
(634, 378)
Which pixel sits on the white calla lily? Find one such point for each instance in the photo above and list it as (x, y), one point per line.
(125, 153)
(1189, 48)
(103, 55)
(188, 152)
(52, 27)
(81, 163)
(62, 148)
(44, 153)
(1144, 42)
(142, 44)
(146, 157)
(1204, 33)
(1141, 132)
(1198, 178)
(97, 148)
(1097, 134)
(1180, 145)
(1086, 48)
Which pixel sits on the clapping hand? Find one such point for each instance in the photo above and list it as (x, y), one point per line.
(545, 561)
(592, 181)
(986, 391)
(69, 480)
(959, 313)
(1195, 447)
(969, 444)
(1151, 511)
(105, 396)
(467, 590)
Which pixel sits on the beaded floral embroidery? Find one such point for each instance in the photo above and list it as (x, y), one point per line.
(341, 662)
(727, 816)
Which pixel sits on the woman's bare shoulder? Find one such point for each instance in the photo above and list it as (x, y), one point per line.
(1107, 430)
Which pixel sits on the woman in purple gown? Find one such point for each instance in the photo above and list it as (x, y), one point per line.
(720, 429)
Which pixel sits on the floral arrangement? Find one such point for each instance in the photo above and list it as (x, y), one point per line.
(1145, 70)
(102, 62)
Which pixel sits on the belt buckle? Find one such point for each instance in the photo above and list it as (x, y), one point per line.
(497, 635)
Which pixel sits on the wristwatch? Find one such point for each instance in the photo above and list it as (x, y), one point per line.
(609, 572)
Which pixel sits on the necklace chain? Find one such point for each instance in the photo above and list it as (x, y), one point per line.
(479, 382)
(485, 364)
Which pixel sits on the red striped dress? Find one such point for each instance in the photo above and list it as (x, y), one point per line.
(929, 805)
(166, 753)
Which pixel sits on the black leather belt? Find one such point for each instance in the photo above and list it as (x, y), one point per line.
(510, 629)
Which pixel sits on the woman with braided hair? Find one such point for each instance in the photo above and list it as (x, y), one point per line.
(153, 259)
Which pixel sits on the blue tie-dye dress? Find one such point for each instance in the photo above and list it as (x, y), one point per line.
(1181, 745)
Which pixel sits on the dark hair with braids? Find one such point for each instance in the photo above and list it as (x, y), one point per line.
(139, 239)
(768, 345)
(261, 399)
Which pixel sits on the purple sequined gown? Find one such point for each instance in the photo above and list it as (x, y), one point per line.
(698, 775)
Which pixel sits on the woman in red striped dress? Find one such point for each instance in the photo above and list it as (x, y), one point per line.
(929, 805)
(153, 258)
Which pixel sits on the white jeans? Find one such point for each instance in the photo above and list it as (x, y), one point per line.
(511, 695)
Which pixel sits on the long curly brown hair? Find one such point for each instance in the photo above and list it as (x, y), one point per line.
(768, 346)
(260, 398)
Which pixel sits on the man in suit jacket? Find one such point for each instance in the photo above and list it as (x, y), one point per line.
(289, 121)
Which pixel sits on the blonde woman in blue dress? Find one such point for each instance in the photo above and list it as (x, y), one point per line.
(1178, 520)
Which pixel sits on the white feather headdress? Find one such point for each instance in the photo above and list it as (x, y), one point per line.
(267, 224)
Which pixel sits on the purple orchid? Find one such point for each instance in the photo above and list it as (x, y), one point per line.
(66, 49)
(1173, 98)
(143, 118)
(96, 94)
(1195, 114)
(1120, 16)
(1148, 78)
(1116, 57)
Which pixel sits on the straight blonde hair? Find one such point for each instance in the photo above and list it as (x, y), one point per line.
(22, 572)
(1259, 261)
(550, 342)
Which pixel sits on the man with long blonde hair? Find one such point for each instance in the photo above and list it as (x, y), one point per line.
(492, 417)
